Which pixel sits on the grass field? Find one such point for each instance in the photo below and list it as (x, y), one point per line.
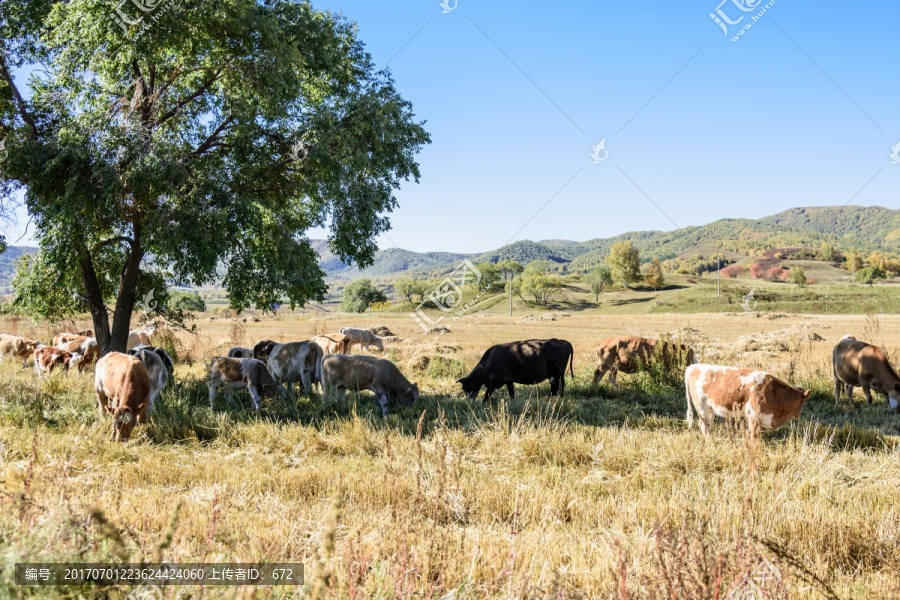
(599, 494)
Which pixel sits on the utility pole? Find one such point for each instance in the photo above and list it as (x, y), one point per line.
(719, 278)
(509, 278)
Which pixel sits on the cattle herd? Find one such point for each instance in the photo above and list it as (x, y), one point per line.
(127, 385)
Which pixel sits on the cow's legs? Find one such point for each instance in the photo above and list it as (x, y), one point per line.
(554, 386)
(229, 395)
(212, 395)
(867, 392)
(254, 395)
(305, 381)
(613, 372)
(849, 393)
(599, 372)
(488, 390)
(382, 400)
(511, 389)
(838, 390)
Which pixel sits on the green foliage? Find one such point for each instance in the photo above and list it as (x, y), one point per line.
(654, 276)
(827, 252)
(869, 274)
(599, 278)
(144, 153)
(187, 301)
(361, 294)
(409, 288)
(39, 290)
(540, 287)
(797, 276)
(536, 267)
(852, 261)
(624, 261)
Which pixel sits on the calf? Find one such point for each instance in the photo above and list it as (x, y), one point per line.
(528, 362)
(342, 372)
(296, 361)
(240, 373)
(362, 337)
(123, 390)
(627, 354)
(333, 343)
(47, 358)
(766, 401)
(263, 349)
(860, 364)
(156, 370)
(239, 352)
(17, 347)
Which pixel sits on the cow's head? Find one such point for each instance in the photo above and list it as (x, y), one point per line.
(469, 386)
(73, 360)
(409, 396)
(124, 420)
(894, 397)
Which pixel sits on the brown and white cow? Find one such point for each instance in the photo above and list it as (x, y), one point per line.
(342, 372)
(626, 355)
(766, 401)
(858, 364)
(61, 339)
(85, 346)
(47, 358)
(240, 373)
(362, 337)
(123, 390)
(333, 343)
(17, 347)
(296, 361)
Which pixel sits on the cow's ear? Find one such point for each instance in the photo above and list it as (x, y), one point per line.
(807, 393)
(461, 380)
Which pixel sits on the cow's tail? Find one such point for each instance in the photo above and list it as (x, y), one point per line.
(572, 365)
(319, 360)
(687, 394)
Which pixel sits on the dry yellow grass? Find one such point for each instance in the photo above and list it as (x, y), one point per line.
(600, 494)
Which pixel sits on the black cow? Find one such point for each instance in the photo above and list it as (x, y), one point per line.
(528, 362)
(263, 349)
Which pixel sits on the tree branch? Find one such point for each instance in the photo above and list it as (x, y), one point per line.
(187, 100)
(111, 241)
(20, 102)
(211, 140)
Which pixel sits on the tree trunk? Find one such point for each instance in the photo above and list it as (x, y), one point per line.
(127, 295)
(94, 298)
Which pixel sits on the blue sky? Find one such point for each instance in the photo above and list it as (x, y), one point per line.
(801, 111)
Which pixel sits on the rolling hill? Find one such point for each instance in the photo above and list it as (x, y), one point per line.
(864, 228)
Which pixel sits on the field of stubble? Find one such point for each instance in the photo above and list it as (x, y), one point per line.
(599, 494)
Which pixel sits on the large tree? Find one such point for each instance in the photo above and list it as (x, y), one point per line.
(624, 261)
(198, 142)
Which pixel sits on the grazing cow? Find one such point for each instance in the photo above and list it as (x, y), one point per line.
(627, 354)
(527, 362)
(766, 401)
(263, 349)
(123, 390)
(864, 365)
(362, 337)
(156, 369)
(47, 358)
(239, 352)
(342, 372)
(17, 347)
(140, 336)
(333, 343)
(240, 373)
(296, 361)
(86, 332)
(85, 346)
(163, 355)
